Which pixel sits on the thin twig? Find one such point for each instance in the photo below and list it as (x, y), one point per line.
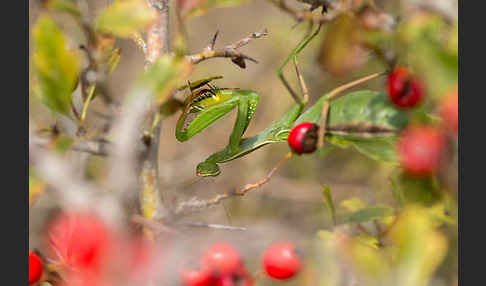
(230, 51)
(195, 204)
(153, 225)
(214, 226)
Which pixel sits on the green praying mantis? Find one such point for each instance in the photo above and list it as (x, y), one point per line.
(363, 119)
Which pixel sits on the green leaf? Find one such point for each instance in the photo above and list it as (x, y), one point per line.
(365, 120)
(423, 190)
(379, 149)
(368, 214)
(165, 75)
(125, 17)
(56, 66)
(191, 8)
(326, 191)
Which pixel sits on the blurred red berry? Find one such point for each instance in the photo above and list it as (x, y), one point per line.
(35, 268)
(449, 111)
(79, 241)
(221, 258)
(303, 138)
(201, 277)
(420, 149)
(404, 90)
(280, 261)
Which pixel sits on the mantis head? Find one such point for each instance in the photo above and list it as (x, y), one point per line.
(207, 169)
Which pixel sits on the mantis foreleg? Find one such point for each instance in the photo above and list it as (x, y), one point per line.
(293, 55)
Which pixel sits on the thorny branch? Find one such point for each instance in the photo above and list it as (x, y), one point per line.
(195, 204)
(230, 51)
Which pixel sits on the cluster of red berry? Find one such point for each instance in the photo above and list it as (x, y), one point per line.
(420, 147)
(222, 265)
(80, 247)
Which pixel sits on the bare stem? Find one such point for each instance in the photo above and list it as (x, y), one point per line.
(157, 45)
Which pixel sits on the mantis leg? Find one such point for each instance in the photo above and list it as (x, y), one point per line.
(293, 55)
(240, 124)
(247, 102)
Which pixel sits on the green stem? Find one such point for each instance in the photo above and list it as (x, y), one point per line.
(91, 90)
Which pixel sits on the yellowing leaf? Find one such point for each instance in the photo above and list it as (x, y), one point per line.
(192, 8)
(125, 17)
(165, 75)
(56, 66)
(353, 204)
(418, 246)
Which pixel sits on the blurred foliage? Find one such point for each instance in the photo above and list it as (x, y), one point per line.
(56, 66)
(165, 75)
(125, 17)
(191, 8)
(429, 45)
(36, 186)
(64, 6)
(408, 254)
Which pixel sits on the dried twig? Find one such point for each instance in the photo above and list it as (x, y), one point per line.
(230, 51)
(195, 204)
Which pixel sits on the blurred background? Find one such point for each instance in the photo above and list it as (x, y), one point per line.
(291, 205)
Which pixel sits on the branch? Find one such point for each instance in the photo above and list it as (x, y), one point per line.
(195, 204)
(98, 148)
(230, 51)
(66, 183)
(158, 33)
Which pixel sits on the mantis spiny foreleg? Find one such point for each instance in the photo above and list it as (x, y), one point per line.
(293, 55)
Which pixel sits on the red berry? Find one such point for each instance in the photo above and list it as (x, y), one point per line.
(202, 277)
(420, 149)
(303, 138)
(405, 90)
(225, 280)
(280, 261)
(222, 258)
(79, 240)
(35, 268)
(449, 111)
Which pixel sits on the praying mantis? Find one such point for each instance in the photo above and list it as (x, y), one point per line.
(363, 119)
